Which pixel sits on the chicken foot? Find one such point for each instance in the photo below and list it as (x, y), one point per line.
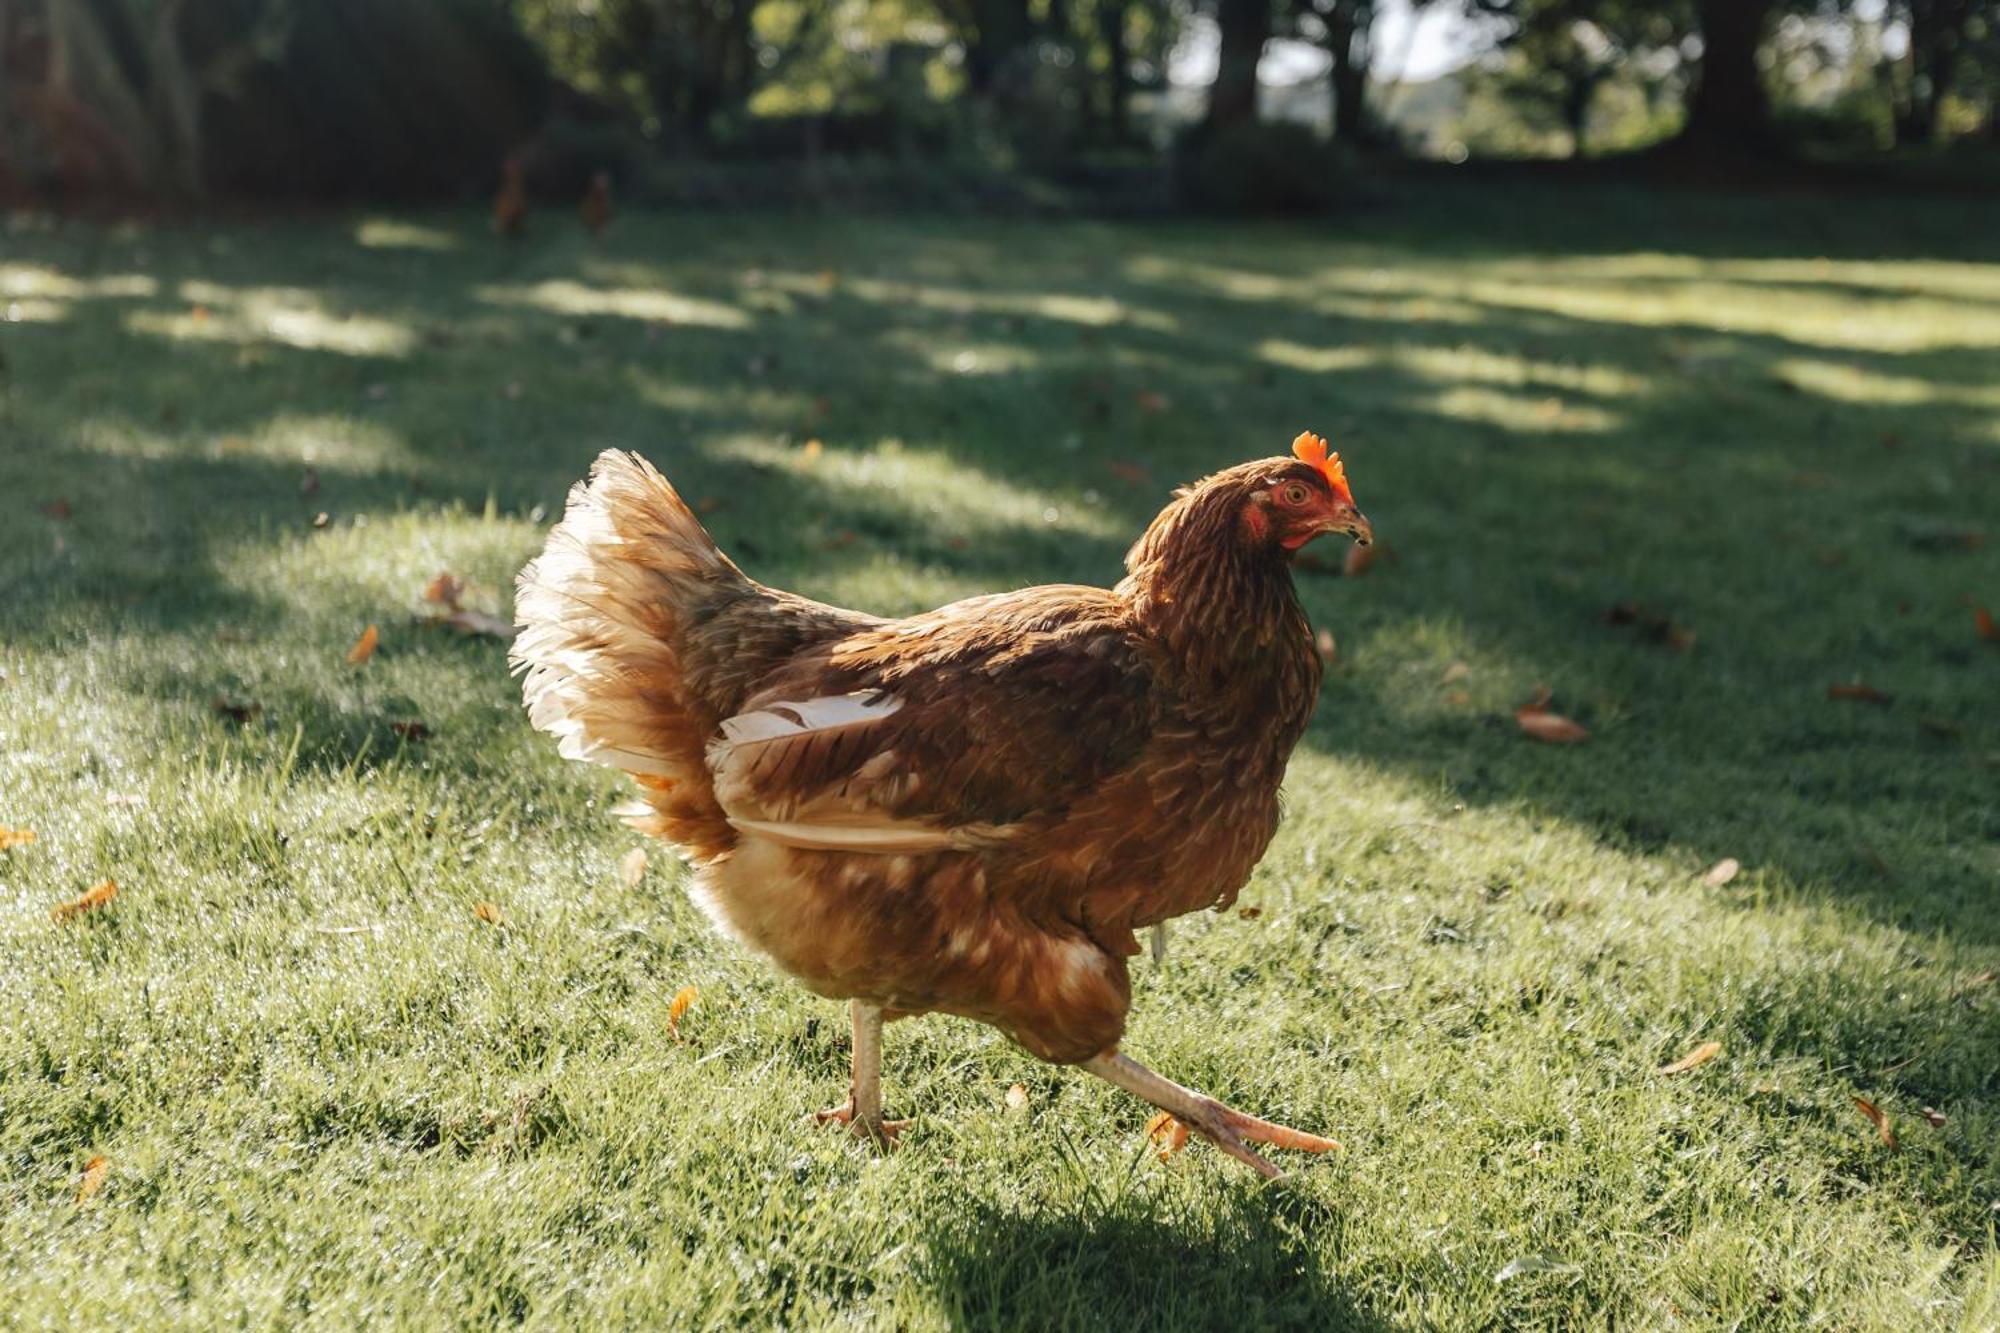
(862, 1114)
(1227, 1129)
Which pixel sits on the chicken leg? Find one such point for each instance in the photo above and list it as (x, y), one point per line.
(862, 1113)
(1227, 1129)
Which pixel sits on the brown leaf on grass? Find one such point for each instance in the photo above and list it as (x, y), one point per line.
(1017, 1097)
(1249, 913)
(198, 316)
(103, 892)
(1168, 1133)
(1152, 401)
(235, 711)
(1694, 1059)
(1982, 622)
(467, 621)
(1986, 978)
(1937, 1118)
(810, 451)
(58, 510)
(364, 647)
(632, 867)
(1538, 723)
(1883, 1126)
(92, 1179)
(488, 913)
(1360, 559)
(1856, 692)
(411, 730)
(1138, 474)
(445, 590)
(1324, 645)
(1723, 871)
(15, 837)
(683, 998)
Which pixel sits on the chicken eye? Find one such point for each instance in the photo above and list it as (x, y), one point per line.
(1294, 493)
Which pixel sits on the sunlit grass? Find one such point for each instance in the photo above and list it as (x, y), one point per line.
(331, 1093)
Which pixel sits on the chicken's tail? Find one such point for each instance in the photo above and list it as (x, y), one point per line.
(605, 612)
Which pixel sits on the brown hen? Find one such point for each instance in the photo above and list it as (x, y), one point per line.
(969, 811)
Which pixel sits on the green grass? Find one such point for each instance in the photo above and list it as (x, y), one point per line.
(329, 1093)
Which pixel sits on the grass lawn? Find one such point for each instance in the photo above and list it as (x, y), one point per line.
(329, 1090)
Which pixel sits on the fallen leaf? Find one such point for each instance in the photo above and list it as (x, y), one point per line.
(1017, 1097)
(1694, 1059)
(1537, 723)
(198, 315)
(1249, 913)
(445, 590)
(1986, 978)
(1982, 621)
(1150, 401)
(239, 713)
(1723, 871)
(488, 913)
(15, 837)
(1856, 692)
(1539, 703)
(683, 998)
(412, 730)
(92, 1179)
(1359, 559)
(58, 509)
(1170, 1134)
(1457, 671)
(467, 621)
(1882, 1125)
(101, 894)
(1935, 1116)
(632, 867)
(364, 647)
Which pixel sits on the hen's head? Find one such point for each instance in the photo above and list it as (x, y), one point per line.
(1286, 502)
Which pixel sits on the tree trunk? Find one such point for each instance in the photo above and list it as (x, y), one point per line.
(1730, 115)
(1347, 28)
(1579, 90)
(992, 30)
(1232, 98)
(1937, 33)
(1118, 68)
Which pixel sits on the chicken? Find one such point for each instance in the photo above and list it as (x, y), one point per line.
(595, 210)
(971, 811)
(510, 205)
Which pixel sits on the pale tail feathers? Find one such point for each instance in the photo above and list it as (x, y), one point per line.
(816, 774)
(599, 614)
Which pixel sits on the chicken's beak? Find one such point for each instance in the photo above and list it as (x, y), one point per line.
(1355, 524)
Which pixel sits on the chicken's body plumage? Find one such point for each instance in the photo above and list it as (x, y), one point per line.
(969, 811)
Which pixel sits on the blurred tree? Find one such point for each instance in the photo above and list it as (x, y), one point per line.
(1564, 51)
(678, 65)
(1244, 27)
(1729, 114)
(1942, 34)
(992, 32)
(1344, 30)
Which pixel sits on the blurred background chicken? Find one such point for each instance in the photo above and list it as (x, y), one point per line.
(510, 205)
(595, 210)
(970, 811)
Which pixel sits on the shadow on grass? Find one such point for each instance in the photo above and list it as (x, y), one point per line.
(1244, 1261)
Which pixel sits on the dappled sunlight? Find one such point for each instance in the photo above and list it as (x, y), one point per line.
(1522, 413)
(563, 296)
(1849, 383)
(1316, 360)
(331, 442)
(288, 316)
(950, 357)
(397, 234)
(40, 280)
(1096, 312)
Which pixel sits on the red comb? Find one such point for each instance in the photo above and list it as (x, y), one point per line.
(1310, 449)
